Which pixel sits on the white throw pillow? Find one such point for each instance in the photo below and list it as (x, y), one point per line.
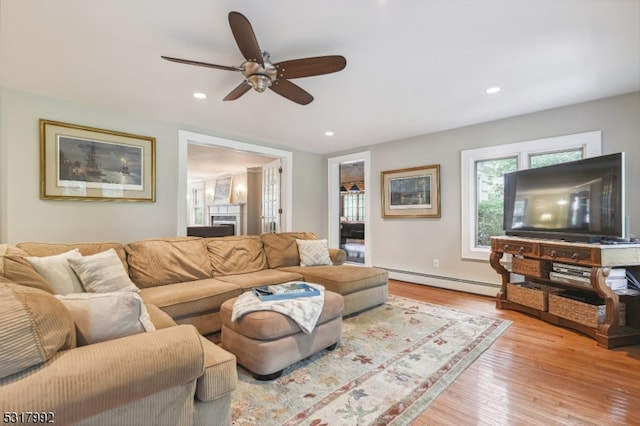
(57, 271)
(105, 316)
(313, 252)
(102, 273)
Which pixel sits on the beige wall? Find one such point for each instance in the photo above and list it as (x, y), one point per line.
(24, 216)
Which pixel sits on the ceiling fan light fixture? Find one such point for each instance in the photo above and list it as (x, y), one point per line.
(260, 73)
(259, 82)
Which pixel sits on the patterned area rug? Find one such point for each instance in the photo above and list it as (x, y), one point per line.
(391, 363)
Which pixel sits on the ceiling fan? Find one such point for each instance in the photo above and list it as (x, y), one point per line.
(260, 73)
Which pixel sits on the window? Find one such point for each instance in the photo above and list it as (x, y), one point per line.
(489, 197)
(196, 200)
(482, 181)
(353, 206)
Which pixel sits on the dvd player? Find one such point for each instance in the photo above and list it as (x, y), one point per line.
(570, 279)
(574, 270)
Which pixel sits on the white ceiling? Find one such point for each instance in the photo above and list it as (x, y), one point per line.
(413, 66)
(207, 162)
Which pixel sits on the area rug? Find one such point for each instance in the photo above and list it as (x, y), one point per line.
(391, 363)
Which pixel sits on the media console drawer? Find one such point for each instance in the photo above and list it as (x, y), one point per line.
(576, 255)
(524, 248)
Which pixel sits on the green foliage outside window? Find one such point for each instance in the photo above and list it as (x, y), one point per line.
(490, 198)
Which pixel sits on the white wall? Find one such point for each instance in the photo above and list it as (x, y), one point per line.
(410, 245)
(25, 217)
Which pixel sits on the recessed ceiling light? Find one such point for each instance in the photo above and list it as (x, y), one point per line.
(328, 133)
(199, 95)
(494, 89)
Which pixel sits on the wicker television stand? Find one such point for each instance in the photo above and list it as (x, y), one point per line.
(534, 258)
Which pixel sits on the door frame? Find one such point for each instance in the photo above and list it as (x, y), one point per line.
(186, 137)
(333, 173)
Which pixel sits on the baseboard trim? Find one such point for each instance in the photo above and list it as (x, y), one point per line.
(451, 283)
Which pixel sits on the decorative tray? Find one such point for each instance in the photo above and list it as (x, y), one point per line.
(289, 290)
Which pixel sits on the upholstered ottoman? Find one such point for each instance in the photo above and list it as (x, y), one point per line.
(266, 342)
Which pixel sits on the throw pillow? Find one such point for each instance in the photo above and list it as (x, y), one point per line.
(57, 271)
(102, 273)
(313, 252)
(106, 316)
(34, 325)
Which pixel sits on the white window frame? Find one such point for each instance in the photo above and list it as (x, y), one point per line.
(590, 142)
(196, 200)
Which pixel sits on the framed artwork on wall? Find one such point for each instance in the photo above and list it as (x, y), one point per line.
(222, 191)
(412, 192)
(86, 163)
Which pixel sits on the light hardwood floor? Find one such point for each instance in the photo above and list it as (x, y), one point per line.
(534, 374)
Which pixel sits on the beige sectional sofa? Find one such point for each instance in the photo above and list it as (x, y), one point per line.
(172, 375)
(189, 278)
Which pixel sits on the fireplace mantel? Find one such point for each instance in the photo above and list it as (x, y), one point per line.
(227, 214)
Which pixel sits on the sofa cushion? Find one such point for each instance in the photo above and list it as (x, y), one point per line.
(86, 249)
(57, 271)
(236, 255)
(343, 279)
(282, 250)
(190, 298)
(106, 316)
(264, 277)
(220, 374)
(102, 273)
(8, 250)
(161, 261)
(313, 252)
(34, 325)
(19, 270)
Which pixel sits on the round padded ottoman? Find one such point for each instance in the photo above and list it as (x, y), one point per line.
(266, 342)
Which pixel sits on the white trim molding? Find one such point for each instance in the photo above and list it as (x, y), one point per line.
(186, 137)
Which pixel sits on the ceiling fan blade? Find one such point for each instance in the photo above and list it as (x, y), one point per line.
(240, 90)
(291, 91)
(245, 37)
(308, 67)
(201, 64)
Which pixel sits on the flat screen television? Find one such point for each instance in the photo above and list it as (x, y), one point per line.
(581, 201)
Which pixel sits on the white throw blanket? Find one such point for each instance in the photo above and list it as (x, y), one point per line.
(305, 311)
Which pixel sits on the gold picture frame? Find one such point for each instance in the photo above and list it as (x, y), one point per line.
(91, 164)
(411, 193)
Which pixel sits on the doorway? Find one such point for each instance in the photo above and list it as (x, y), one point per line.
(350, 206)
(190, 139)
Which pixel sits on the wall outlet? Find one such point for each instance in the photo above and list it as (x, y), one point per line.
(436, 263)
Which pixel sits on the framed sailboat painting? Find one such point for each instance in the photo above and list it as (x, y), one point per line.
(86, 163)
